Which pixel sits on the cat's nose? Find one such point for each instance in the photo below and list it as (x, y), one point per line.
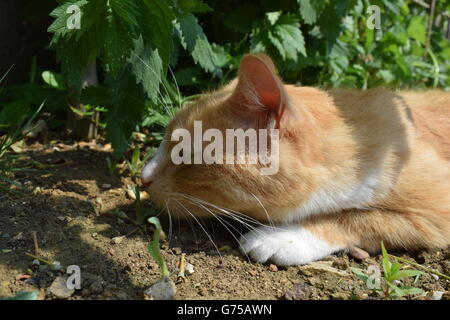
(145, 182)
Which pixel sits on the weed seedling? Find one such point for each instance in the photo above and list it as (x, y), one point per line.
(163, 289)
(392, 271)
(7, 167)
(135, 164)
(112, 167)
(153, 247)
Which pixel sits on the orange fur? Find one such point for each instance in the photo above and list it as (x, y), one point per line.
(398, 143)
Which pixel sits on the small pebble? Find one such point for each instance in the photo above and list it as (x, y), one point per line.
(273, 268)
(59, 288)
(117, 240)
(177, 251)
(437, 295)
(163, 289)
(18, 236)
(189, 268)
(299, 291)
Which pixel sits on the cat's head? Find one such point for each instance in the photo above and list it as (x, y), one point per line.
(257, 100)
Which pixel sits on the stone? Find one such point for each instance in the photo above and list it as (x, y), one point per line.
(340, 296)
(117, 240)
(323, 267)
(163, 289)
(189, 268)
(299, 291)
(59, 289)
(437, 295)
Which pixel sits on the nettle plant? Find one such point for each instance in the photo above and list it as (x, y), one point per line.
(134, 42)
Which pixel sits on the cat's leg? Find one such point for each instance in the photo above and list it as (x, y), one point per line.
(322, 235)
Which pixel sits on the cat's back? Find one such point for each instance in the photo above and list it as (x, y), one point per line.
(426, 114)
(430, 112)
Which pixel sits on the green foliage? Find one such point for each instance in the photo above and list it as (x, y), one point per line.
(8, 160)
(137, 44)
(23, 295)
(134, 40)
(392, 271)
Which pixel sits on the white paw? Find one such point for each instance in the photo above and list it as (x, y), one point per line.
(285, 245)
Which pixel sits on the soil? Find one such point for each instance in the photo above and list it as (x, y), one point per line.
(71, 209)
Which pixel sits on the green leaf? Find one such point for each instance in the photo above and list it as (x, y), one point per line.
(406, 273)
(395, 266)
(147, 67)
(395, 290)
(195, 6)
(158, 25)
(273, 16)
(360, 274)
(386, 262)
(417, 29)
(126, 10)
(287, 37)
(118, 43)
(194, 40)
(330, 21)
(23, 295)
(411, 290)
(153, 246)
(59, 25)
(53, 79)
(386, 75)
(310, 10)
(125, 111)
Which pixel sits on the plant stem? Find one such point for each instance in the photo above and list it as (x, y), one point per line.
(138, 206)
(182, 265)
(40, 259)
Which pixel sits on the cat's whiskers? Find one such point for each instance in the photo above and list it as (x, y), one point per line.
(176, 84)
(201, 226)
(265, 211)
(170, 112)
(224, 223)
(170, 221)
(229, 214)
(238, 216)
(224, 210)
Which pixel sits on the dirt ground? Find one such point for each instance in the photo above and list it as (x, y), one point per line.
(71, 209)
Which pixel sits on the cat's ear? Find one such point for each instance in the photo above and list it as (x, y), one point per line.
(259, 86)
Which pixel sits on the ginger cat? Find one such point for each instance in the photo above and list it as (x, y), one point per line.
(355, 167)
